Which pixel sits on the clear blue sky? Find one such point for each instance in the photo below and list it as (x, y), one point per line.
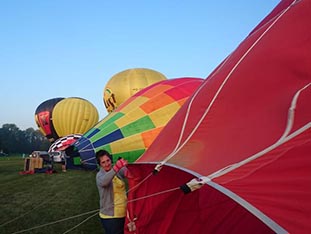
(71, 48)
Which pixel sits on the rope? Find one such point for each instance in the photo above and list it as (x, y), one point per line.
(80, 223)
(154, 194)
(12, 220)
(91, 212)
(137, 185)
(57, 221)
(284, 138)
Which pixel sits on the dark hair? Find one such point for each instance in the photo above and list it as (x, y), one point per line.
(102, 153)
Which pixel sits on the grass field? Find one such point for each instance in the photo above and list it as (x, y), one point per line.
(46, 203)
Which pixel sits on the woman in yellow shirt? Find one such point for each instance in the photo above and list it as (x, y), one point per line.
(112, 192)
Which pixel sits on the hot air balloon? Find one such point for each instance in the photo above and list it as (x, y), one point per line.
(58, 150)
(74, 116)
(44, 118)
(236, 157)
(59, 117)
(62, 143)
(124, 84)
(131, 128)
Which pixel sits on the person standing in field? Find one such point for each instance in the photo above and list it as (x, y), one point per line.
(110, 181)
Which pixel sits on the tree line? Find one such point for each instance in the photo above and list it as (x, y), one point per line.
(16, 141)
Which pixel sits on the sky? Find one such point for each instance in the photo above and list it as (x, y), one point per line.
(71, 48)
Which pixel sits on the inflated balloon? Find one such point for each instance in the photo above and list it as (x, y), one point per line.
(74, 116)
(236, 157)
(124, 84)
(44, 118)
(132, 127)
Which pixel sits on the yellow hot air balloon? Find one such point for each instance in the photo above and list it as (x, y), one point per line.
(124, 84)
(74, 116)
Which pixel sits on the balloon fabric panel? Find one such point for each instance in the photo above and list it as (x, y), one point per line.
(130, 143)
(130, 117)
(91, 132)
(116, 135)
(133, 102)
(156, 90)
(131, 156)
(109, 119)
(155, 104)
(110, 128)
(184, 90)
(161, 116)
(138, 126)
(149, 136)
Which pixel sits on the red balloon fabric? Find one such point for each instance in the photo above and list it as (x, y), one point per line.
(245, 133)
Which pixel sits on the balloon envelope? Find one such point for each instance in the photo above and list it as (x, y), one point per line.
(132, 127)
(64, 142)
(74, 116)
(44, 118)
(60, 145)
(246, 133)
(124, 84)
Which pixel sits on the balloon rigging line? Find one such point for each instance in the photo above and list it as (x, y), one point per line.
(22, 215)
(291, 112)
(137, 185)
(41, 203)
(178, 147)
(91, 212)
(283, 139)
(80, 223)
(154, 194)
(57, 221)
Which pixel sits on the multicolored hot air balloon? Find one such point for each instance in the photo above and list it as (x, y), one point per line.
(124, 84)
(44, 118)
(131, 128)
(236, 158)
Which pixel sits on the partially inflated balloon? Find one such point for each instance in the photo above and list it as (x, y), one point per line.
(130, 129)
(44, 120)
(59, 147)
(124, 84)
(62, 143)
(74, 116)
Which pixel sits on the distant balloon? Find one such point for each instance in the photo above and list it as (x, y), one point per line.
(132, 127)
(124, 84)
(62, 143)
(74, 116)
(43, 118)
(59, 117)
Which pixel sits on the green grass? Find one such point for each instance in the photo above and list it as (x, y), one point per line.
(28, 201)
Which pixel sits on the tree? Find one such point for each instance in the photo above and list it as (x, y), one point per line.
(14, 140)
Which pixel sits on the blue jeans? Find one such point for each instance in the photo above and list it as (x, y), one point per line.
(113, 226)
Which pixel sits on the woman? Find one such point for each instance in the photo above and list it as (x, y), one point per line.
(112, 192)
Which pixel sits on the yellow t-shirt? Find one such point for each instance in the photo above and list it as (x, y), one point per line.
(119, 199)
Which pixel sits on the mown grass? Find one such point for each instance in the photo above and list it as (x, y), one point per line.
(29, 201)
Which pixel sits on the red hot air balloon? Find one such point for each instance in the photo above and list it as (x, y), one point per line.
(243, 136)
